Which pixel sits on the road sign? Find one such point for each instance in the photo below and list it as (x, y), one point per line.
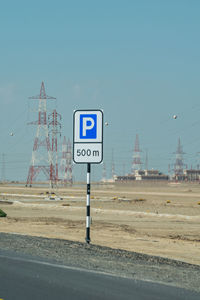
(88, 147)
(88, 136)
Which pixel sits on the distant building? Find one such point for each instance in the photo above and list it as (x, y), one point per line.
(143, 175)
(188, 175)
(192, 175)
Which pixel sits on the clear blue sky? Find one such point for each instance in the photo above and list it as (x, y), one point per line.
(137, 60)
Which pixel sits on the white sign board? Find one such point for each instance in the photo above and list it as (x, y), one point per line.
(88, 136)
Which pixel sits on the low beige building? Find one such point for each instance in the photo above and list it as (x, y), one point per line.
(143, 175)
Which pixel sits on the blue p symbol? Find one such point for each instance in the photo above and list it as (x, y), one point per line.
(88, 126)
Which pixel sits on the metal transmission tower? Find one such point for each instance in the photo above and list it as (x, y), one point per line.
(124, 169)
(104, 173)
(54, 127)
(63, 160)
(146, 160)
(68, 171)
(136, 165)
(112, 165)
(178, 166)
(3, 169)
(66, 162)
(197, 160)
(41, 159)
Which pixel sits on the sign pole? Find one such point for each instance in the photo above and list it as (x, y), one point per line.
(88, 205)
(88, 147)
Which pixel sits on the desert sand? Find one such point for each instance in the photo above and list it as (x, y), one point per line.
(161, 219)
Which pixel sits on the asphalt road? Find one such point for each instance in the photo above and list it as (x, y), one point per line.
(27, 278)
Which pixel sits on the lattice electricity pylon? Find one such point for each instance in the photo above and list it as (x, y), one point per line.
(146, 160)
(112, 165)
(179, 164)
(68, 171)
(54, 127)
(104, 173)
(41, 159)
(66, 175)
(63, 160)
(3, 169)
(197, 160)
(136, 164)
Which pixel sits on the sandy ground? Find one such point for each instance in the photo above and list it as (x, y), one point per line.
(152, 218)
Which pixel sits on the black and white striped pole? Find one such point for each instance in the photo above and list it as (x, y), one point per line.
(87, 238)
(88, 147)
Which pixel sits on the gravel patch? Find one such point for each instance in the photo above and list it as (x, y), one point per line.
(113, 261)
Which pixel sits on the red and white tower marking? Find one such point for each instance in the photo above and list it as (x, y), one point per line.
(41, 159)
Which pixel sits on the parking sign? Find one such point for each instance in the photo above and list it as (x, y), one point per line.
(88, 136)
(88, 126)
